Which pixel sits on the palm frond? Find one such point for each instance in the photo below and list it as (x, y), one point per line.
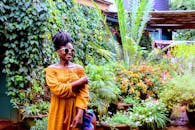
(131, 26)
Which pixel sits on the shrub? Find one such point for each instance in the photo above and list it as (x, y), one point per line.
(139, 81)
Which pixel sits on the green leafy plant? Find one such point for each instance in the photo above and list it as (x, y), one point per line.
(102, 86)
(40, 124)
(120, 118)
(130, 100)
(85, 25)
(22, 26)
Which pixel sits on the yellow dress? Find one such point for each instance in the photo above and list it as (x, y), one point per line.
(63, 100)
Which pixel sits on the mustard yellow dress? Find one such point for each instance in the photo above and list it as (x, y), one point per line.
(63, 100)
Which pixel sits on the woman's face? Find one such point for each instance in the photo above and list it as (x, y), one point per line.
(66, 52)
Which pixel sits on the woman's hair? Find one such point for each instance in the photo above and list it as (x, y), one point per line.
(61, 39)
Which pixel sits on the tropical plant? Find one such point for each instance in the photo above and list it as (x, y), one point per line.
(102, 86)
(131, 26)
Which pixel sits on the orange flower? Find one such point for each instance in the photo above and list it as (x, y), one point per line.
(148, 82)
(131, 91)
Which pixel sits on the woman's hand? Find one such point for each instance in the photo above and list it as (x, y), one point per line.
(84, 80)
(78, 120)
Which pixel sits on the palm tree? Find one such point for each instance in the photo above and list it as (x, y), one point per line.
(131, 26)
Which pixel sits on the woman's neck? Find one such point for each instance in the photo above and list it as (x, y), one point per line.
(65, 63)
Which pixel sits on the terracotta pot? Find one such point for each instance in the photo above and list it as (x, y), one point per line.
(109, 127)
(123, 127)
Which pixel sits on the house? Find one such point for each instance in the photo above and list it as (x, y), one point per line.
(163, 21)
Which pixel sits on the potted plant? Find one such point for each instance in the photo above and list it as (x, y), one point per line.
(180, 90)
(150, 114)
(119, 120)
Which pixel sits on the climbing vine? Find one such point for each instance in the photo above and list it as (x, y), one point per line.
(23, 30)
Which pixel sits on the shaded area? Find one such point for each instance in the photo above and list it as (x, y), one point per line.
(8, 125)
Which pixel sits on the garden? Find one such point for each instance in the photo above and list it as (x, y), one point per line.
(131, 86)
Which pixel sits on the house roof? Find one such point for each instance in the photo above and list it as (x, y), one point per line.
(102, 4)
(172, 19)
(183, 19)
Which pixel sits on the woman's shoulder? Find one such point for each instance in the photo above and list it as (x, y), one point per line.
(77, 66)
(53, 66)
(58, 66)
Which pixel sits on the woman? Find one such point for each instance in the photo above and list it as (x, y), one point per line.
(68, 85)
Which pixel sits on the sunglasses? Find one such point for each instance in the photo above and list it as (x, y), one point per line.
(67, 50)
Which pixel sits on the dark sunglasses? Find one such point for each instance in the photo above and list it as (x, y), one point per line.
(66, 50)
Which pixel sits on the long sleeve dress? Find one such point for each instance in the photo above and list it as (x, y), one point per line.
(63, 100)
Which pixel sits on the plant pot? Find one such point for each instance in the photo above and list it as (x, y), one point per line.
(110, 127)
(179, 116)
(123, 127)
(123, 106)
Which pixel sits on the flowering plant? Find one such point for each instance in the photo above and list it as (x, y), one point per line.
(150, 114)
(139, 81)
